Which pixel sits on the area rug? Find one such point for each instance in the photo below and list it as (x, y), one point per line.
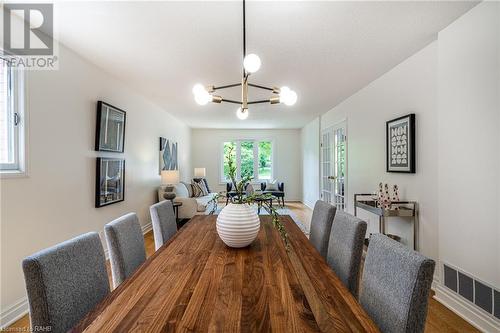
(281, 211)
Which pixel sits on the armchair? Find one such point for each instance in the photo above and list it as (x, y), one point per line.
(280, 193)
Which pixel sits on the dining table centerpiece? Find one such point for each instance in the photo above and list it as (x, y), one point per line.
(238, 223)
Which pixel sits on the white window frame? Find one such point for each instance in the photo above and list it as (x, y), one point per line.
(19, 168)
(256, 178)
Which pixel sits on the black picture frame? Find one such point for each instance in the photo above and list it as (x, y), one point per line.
(400, 144)
(109, 189)
(110, 139)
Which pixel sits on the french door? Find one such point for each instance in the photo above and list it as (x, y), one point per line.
(333, 165)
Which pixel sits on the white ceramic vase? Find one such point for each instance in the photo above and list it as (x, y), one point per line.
(238, 225)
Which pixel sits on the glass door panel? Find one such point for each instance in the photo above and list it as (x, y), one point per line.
(338, 178)
(326, 165)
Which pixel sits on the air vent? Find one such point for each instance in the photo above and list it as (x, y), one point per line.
(450, 278)
(473, 290)
(466, 287)
(496, 306)
(483, 296)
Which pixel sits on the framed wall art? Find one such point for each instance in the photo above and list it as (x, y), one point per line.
(168, 155)
(110, 181)
(400, 144)
(110, 128)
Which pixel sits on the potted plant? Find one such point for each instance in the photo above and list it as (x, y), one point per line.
(238, 223)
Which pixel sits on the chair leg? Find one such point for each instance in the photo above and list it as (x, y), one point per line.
(227, 200)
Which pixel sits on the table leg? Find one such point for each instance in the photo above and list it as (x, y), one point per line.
(415, 233)
(381, 225)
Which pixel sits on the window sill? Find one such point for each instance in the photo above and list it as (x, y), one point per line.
(253, 182)
(5, 174)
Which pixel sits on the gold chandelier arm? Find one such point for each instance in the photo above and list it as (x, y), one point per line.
(272, 100)
(231, 101)
(244, 92)
(275, 90)
(227, 86)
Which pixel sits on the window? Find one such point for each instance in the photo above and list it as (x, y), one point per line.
(253, 158)
(12, 159)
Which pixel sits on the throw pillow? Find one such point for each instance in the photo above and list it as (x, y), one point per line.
(197, 192)
(206, 184)
(181, 191)
(203, 188)
(272, 185)
(189, 188)
(204, 180)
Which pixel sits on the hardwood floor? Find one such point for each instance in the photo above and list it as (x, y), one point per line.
(439, 318)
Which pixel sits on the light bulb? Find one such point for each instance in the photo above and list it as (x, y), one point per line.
(198, 89)
(292, 98)
(287, 96)
(251, 63)
(203, 98)
(242, 113)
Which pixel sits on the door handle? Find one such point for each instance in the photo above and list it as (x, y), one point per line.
(332, 177)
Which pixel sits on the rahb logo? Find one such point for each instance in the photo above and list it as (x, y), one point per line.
(28, 35)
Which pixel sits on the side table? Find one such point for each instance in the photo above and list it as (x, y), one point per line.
(176, 206)
(400, 209)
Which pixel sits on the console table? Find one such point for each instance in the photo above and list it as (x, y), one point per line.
(404, 209)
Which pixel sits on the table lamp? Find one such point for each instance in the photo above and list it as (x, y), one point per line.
(200, 172)
(169, 178)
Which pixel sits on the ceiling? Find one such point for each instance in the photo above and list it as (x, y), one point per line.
(325, 51)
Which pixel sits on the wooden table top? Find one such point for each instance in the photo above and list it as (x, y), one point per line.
(196, 283)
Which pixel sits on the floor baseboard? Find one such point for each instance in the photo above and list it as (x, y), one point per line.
(475, 316)
(14, 312)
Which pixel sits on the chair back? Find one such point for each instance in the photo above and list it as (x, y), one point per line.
(65, 282)
(321, 225)
(345, 248)
(126, 246)
(163, 221)
(249, 189)
(395, 285)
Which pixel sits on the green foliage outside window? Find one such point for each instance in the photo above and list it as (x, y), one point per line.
(265, 159)
(248, 152)
(247, 159)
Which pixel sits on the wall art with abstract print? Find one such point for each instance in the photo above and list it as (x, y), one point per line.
(400, 143)
(110, 181)
(110, 128)
(168, 155)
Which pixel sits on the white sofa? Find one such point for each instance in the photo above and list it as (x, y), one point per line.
(190, 206)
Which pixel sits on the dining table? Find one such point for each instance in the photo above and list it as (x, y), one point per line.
(196, 283)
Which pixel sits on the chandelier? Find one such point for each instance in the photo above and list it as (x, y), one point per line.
(251, 64)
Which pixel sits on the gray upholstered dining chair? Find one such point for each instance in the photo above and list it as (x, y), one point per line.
(345, 248)
(126, 246)
(164, 222)
(395, 286)
(321, 225)
(65, 282)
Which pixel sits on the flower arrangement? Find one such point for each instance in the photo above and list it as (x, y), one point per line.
(241, 197)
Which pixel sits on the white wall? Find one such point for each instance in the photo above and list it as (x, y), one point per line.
(469, 143)
(410, 87)
(310, 162)
(453, 86)
(206, 153)
(56, 201)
